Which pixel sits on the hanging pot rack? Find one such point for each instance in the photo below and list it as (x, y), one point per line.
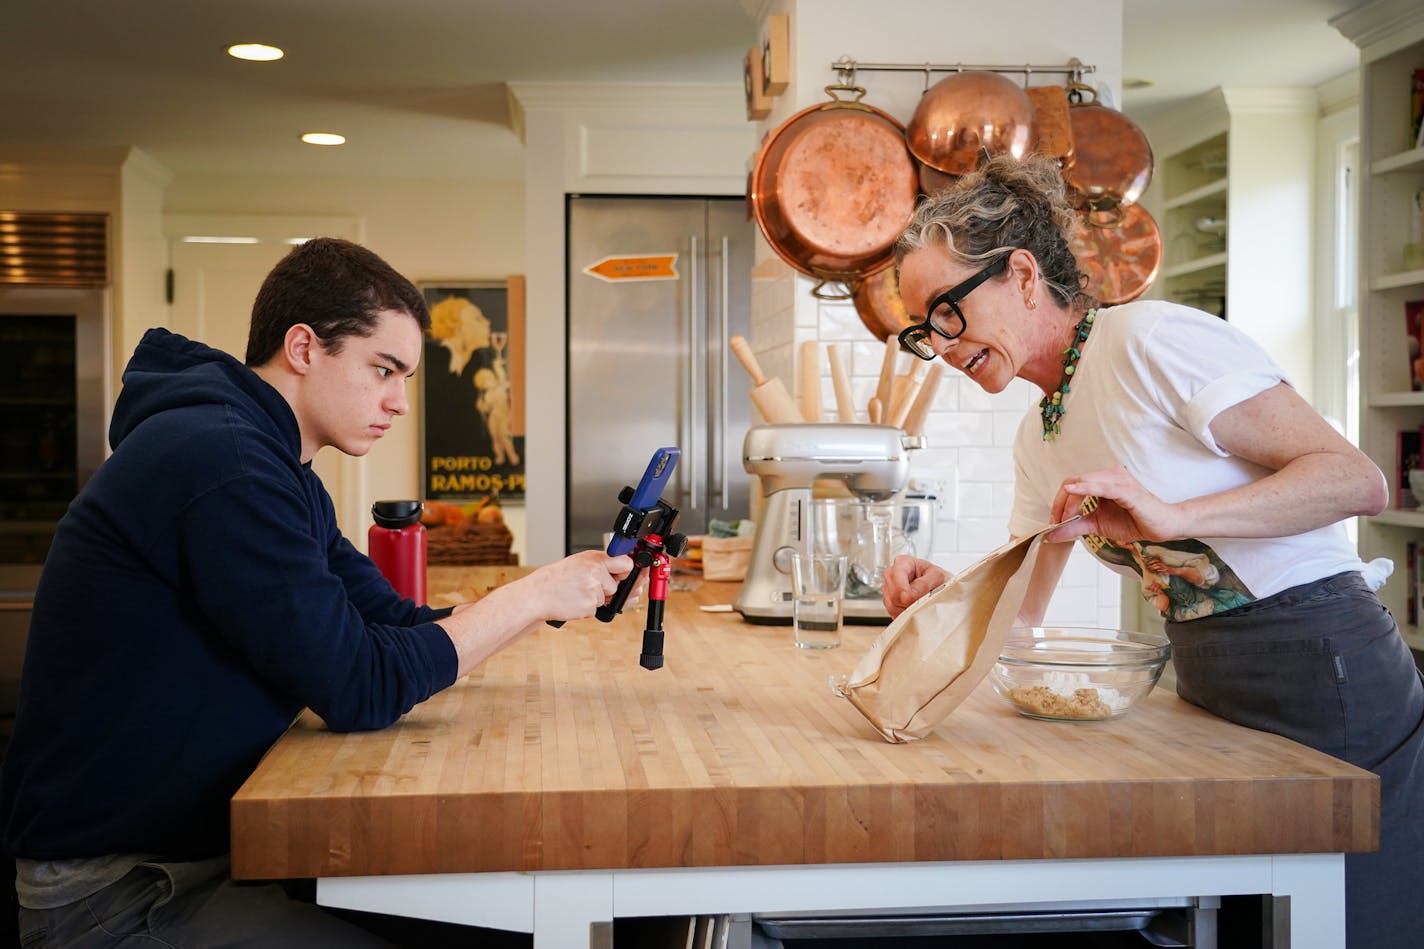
(1074, 69)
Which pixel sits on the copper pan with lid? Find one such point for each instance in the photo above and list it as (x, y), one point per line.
(967, 114)
(1120, 260)
(833, 187)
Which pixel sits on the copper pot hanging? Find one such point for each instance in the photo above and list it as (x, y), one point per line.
(1120, 260)
(877, 300)
(1112, 159)
(932, 180)
(968, 114)
(833, 188)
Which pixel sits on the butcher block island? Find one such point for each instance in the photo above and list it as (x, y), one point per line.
(562, 754)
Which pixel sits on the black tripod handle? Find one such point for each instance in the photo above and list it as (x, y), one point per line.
(652, 656)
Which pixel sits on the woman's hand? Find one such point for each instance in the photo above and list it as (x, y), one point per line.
(1124, 511)
(908, 579)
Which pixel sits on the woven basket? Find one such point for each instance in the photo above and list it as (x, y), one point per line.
(469, 543)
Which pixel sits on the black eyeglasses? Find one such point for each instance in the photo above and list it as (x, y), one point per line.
(945, 317)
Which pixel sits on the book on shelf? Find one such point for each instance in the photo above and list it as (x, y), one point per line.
(1407, 443)
(1411, 565)
(1416, 600)
(1416, 109)
(1414, 339)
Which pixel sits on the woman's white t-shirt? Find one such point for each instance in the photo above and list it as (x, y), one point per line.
(1152, 377)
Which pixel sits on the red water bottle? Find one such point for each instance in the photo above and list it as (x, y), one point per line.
(397, 544)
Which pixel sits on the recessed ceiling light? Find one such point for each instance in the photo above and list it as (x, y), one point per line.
(256, 52)
(324, 138)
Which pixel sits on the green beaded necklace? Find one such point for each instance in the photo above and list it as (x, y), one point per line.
(1051, 406)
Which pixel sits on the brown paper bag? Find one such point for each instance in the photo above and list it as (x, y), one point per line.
(932, 655)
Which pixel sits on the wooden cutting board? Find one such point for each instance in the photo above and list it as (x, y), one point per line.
(562, 753)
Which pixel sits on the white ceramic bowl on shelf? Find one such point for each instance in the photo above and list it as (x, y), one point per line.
(1416, 485)
(1077, 674)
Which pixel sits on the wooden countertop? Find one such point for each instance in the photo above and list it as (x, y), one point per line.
(561, 753)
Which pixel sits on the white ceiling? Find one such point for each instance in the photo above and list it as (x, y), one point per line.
(417, 85)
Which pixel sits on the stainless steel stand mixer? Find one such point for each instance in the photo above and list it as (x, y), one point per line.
(872, 462)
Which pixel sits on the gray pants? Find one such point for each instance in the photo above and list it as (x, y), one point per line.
(1324, 664)
(189, 905)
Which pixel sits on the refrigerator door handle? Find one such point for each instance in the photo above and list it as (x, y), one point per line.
(694, 352)
(722, 384)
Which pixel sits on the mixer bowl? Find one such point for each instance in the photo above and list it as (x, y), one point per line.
(871, 534)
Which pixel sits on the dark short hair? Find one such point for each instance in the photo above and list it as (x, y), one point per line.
(337, 288)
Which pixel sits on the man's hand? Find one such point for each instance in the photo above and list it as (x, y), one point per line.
(574, 587)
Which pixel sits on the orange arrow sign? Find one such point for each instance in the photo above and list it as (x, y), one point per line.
(641, 267)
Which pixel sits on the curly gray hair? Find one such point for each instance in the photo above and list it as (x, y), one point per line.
(1005, 203)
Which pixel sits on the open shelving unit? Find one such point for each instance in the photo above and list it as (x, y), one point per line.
(1235, 169)
(1390, 34)
(1194, 222)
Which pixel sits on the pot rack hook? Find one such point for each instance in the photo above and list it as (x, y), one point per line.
(1028, 75)
(845, 71)
(927, 80)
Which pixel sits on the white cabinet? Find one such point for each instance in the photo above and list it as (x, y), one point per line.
(1193, 222)
(1232, 197)
(1390, 34)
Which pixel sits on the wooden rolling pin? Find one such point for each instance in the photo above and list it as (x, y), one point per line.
(920, 408)
(883, 390)
(840, 378)
(768, 395)
(905, 397)
(811, 380)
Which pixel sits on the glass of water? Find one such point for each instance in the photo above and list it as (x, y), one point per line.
(817, 587)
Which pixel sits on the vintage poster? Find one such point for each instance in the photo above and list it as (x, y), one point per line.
(473, 395)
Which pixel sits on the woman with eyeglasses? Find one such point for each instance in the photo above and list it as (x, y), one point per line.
(1219, 490)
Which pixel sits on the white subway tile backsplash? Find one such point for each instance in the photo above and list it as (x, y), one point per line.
(979, 535)
(958, 562)
(839, 322)
(1072, 606)
(1003, 500)
(1082, 568)
(976, 499)
(1006, 427)
(978, 463)
(967, 429)
(1017, 396)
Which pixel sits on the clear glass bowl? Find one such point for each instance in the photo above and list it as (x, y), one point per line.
(1077, 674)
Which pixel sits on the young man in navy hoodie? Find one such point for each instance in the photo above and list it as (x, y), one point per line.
(198, 595)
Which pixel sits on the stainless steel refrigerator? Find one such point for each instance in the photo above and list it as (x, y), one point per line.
(648, 362)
